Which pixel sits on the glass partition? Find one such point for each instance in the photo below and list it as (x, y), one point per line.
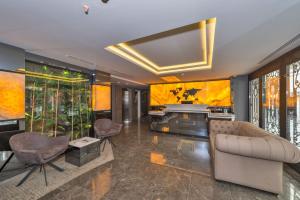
(270, 102)
(254, 101)
(293, 103)
(57, 101)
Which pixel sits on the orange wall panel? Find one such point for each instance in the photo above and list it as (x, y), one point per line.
(12, 95)
(101, 99)
(212, 93)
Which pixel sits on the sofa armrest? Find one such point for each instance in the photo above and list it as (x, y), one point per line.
(268, 147)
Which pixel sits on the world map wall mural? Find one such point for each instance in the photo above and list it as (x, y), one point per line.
(212, 93)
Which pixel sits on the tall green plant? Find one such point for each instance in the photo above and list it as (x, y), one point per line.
(59, 107)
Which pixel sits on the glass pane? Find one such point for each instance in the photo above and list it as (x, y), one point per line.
(57, 101)
(254, 101)
(293, 103)
(270, 101)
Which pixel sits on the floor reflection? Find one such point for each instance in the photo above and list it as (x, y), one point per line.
(101, 184)
(159, 169)
(189, 143)
(4, 156)
(13, 167)
(187, 154)
(157, 158)
(155, 140)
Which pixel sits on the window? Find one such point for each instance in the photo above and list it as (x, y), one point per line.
(293, 103)
(254, 101)
(270, 102)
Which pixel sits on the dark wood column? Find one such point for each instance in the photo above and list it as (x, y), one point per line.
(260, 103)
(282, 101)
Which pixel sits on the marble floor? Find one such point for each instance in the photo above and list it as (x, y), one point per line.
(158, 166)
(13, 168)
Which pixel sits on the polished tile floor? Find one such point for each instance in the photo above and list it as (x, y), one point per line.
(158, 166)
(13, 168)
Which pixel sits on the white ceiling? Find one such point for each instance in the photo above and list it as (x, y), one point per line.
(246, 31)
(174, 49)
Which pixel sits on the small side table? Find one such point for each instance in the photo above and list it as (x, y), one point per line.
(83, 150)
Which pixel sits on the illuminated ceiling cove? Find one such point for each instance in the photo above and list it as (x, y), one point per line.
(170, 79)
(141, 51)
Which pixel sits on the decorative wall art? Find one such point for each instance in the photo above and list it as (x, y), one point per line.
(12, 93)
(212, 93)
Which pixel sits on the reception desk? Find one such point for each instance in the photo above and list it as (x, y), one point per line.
(186, 119)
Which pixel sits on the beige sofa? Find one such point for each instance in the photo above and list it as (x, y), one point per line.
(247, 155)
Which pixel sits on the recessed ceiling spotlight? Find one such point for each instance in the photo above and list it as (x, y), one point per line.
(86, 9)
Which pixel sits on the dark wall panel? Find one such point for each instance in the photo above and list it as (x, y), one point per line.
(239, 87)
(116, 103)
(11, 58)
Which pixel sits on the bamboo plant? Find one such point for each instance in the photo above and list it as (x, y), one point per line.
(57, 101)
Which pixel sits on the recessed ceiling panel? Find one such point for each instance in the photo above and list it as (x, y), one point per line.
(187, 48)
(173, 49)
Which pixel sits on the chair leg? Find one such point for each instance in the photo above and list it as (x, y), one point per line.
(55, 167)
(41, 168)
(27, 175)
(45, 174)
(7, 161)
(111, 142)
(104, 144)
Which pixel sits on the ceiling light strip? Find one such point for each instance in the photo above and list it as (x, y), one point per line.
(134, 60)
(126, 56)
(211, 32)
(128, 80)
(138, 55)
(202, 27)
(207, 31)
(205, 67)
(156, 67)
(52, 77)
